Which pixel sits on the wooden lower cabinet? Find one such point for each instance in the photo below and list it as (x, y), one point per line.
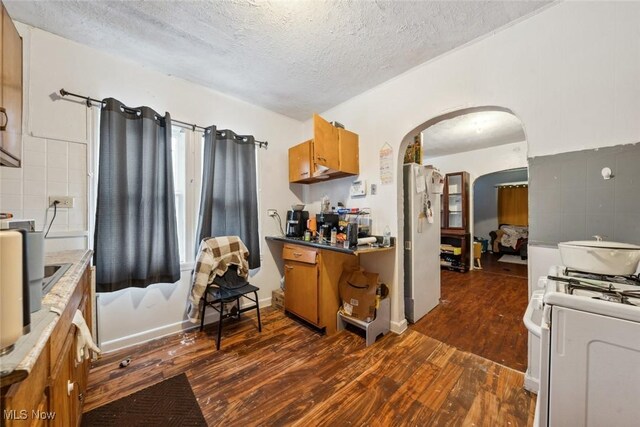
(311, 283)
(301, 297)
(53, 392)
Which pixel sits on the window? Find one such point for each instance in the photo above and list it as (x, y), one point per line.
(179, 150)
(185, 148)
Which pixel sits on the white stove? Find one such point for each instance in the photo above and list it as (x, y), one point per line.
(588, 330)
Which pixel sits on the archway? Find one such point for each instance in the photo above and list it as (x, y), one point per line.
(476, 158)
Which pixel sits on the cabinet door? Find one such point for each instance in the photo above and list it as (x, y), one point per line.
(61, 380)
(300, 162)
(11, 97)
(349, 152)
(301, 290)
(325, 143)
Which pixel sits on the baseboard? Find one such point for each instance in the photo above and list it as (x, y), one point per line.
(531, 384)
(399, 327)
(163, 331)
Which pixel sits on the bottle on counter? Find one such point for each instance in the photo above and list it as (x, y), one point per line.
(334, 236)
(386, 237)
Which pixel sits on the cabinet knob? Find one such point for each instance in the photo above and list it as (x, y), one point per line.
(297, 254)
(70, 387)
(81, 397)
(288, 267)
(304, 173)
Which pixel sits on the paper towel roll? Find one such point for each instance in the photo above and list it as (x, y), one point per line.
(366, 240)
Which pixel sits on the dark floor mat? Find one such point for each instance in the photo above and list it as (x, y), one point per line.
(169, 403)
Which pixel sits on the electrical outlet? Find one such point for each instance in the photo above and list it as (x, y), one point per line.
(64, 201)
(272, 212)
(374, 189)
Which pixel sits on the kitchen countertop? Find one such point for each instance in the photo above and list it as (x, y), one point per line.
(16, 365)
(328, 246)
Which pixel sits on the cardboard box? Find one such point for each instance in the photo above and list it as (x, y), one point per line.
(277, 299)
(358, 294)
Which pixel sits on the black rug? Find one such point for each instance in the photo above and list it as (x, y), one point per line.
(169, 403)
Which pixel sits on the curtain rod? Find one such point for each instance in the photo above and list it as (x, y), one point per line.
(89, 102)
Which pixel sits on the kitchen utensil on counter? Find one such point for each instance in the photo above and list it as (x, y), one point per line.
(601, 257)
(297, 207)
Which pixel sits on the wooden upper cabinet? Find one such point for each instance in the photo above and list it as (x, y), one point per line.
(349, 152)
(325, 144)
(300, 162)
(10, 93)
(332, 148)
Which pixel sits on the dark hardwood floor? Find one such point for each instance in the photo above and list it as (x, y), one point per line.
(490, 264)
(291, 375)
(481, 312)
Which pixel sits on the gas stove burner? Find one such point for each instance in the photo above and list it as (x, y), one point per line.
(614, 297)
(609, 293)
(627, 280)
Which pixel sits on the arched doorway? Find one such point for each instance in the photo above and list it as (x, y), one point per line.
(479, 141)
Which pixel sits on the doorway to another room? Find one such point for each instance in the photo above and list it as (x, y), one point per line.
(500, 222)
(480, 309)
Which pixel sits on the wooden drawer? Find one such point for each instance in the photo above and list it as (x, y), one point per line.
(300, 254)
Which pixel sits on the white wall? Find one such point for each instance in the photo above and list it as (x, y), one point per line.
(569, 73)
(57, 128)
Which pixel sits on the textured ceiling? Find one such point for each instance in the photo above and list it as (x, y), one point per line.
(471, 131)
(292, 57)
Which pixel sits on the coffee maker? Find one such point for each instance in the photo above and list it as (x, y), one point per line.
(326, 222)
(296, 223)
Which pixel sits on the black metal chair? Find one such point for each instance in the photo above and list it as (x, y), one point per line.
(228, 288)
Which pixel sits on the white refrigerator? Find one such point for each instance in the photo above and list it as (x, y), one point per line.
(421, 241)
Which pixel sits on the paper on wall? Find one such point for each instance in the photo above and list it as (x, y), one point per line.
(386, 164)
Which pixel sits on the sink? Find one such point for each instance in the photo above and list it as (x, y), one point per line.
(53, 273)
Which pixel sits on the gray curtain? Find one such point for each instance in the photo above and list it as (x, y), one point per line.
(229, 198)
(136, 241)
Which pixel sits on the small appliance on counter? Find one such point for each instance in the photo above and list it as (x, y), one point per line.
(15, 317)
(326, 222)
(296, 222)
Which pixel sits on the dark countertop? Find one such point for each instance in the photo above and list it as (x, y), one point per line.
(327, 246)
